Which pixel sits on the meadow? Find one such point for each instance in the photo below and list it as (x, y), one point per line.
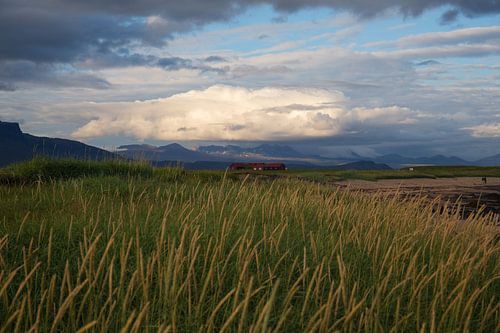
(124, 247)
(429, 172)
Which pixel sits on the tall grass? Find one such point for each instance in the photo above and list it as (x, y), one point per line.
(44, 168)
(129, 254)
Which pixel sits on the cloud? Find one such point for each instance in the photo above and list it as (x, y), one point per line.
(370, 8)
(6, 86)
(460, 50)
(17, 74)
(468, 42)
(65, 30)
(175, 63)
(178, 63)
(96, 34)
(485, 130)
(449, 16)
(428, 63)
(215, 59)
(236, 113)
(459, 36)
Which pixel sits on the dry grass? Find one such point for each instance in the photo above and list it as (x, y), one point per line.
(149, 255)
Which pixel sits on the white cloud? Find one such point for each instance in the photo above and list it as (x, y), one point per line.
(467, 35)
(460, 50)
(468, 42)
(485, 130)
(235, 113)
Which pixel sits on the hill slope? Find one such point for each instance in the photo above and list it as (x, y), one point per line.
(171, 152)
(16, 146)
(489, 161)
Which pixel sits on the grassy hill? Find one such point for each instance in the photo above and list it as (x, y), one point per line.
(92, 246)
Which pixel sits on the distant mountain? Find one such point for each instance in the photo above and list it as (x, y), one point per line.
(264, 150)
(269, 150)
(363, 165)
(16, 146)
(442, 160)
(219, 165)
(221, 150)
(489, 161)
(273, 150)
(223, 155)
(398, 160)
(171, 152)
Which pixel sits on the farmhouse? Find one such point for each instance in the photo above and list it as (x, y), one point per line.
(257, 166)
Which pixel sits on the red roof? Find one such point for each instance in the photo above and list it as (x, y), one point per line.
(260, 166)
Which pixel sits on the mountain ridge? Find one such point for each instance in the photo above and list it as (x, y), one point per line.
(17, 146)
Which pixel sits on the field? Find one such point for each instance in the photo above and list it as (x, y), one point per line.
(429, 172)
(89, 246)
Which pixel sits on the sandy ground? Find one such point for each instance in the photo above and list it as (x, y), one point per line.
(468, 182)
(472, 192)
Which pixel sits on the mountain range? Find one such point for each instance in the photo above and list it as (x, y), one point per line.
(17, 146)
(171, 152)
(266, 150)
(394, 160)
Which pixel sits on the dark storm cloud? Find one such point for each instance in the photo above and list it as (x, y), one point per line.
(369, 8)
(5, 86)
(96, 33)
(428, 63)
(202, 11)
(58, 36)
(449, 16)
(65, 30)
(215, 59)
(177, 63)
(16, 74)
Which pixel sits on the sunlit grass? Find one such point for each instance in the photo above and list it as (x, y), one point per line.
(204, 252)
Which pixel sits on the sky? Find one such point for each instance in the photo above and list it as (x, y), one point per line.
(329, 77)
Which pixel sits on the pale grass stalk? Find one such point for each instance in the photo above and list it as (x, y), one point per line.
(20, 318)
(130, 289)
(246, 300)
(66, 304)
(128, 323)
(263, 319)
(22, 285)
(87, 327)
(314, 322)
(10, 320)
(211, 318)
(23, 222)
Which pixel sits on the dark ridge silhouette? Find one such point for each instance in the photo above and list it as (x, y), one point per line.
(16, 146)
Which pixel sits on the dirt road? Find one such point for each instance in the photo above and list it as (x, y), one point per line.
(471, 191)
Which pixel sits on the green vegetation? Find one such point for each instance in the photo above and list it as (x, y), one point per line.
(172, 251)
(44, 169)
(373, 175)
